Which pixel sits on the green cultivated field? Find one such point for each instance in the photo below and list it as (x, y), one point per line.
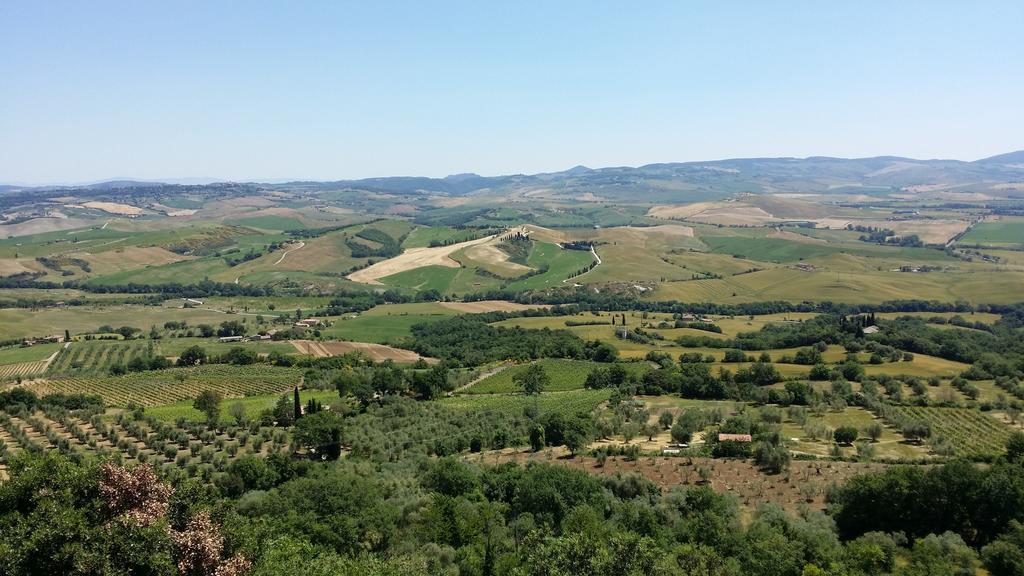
(1005, 230)
(422, 236)
(97, 356)
(254, 405)
(19, 322)
(17, 354)
(153, 388)
(269, 223)
(568, 403)
(377, 329)
(565, 375)
(969, 432)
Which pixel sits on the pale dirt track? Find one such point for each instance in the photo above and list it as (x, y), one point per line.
(411, 259)
(287, 252)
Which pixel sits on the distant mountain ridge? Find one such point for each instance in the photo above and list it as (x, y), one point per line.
(657, 182)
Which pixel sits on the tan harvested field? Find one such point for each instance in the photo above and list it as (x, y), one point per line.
(673, 211)
(728, 213)
(375, 352)
(11, 266)
(490, 306)
(795, 237)
(42, 225)
(545, 234)
(833, 223)
(129, 258)
(411, 259)
(114, 208)
(930, 231)
(735, 215)
(643, 232)
(492, 255)
(246, 201)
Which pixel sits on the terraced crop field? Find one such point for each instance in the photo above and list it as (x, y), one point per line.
(567, 403)
(153, 388)
(971, 433)
(22, 369)
(253, 405)
(565, 375)
(193, 449)
(97, 356)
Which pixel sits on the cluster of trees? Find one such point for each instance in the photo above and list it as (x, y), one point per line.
(690, 378)
(386, 379)
(234, 257)
(885, 236)
(21, 399)
(582, 299)
(446, 516)
(388, 246)
(471, 341)
(345, 301)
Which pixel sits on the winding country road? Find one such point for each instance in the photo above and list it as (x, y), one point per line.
(287, 252)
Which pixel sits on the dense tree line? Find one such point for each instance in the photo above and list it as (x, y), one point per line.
(471, 341)
(388, 246)
(585, 299)
(447, 516)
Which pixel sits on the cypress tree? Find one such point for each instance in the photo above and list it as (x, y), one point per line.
(298, 405)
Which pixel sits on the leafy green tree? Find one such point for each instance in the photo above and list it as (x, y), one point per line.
(873, 431)
(237, 411)
(845, 435)
(1005, 556)
(431, 383)
(231, 328)
(941, 554)
(917, 430)
(1015, 447)
(240, 356)
(665, 420)
(532, 380)
(208, 402)
(537, 438)
(284, 411)
(192, 356)
(321, 434)
(253, 473)
(578, 433)
(451, 477)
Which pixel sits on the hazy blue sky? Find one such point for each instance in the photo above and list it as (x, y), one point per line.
(329, 90)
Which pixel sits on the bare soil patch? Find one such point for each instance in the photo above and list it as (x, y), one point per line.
(672, 211)
(11, 266)
(729, 213)
(411, 259)
(114, 208)
(375, 352)
(490, 306)
(130, 257)
(930, 231)
(491, 254)
(43, 225)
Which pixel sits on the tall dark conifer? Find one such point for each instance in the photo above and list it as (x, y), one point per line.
(298, 405)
